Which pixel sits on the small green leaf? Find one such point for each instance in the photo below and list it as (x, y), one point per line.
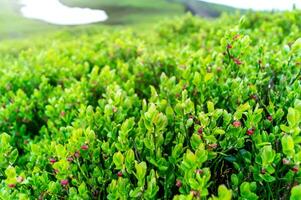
(287, 142)
(296, 193)
(10, 172)
(118, 160)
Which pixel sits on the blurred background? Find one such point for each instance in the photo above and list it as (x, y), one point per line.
(21, 18)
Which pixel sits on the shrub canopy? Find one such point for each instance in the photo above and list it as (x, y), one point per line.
(192, 109)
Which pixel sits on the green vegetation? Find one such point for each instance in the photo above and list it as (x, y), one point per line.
(132, 12)
(192, 109)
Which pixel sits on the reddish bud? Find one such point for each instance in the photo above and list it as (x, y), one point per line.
(250, 131)
(237, 61)
(70, 159)
(270, 118)
(295, 169)
(200, 131)
(63, 114)
(254, 97)
(229, 46)
(119, 174)
(199, 171)
(236, 124)
(178, 183)
(77, 154)
(285, 161)
(64, 182)
(263, 171)
(52, 160)
(11, 185)
(84, 147)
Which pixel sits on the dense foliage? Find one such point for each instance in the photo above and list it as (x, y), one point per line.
(194, 109)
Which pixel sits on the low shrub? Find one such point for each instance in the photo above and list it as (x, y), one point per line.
(194, 109)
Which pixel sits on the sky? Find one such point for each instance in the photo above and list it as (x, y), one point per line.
(52, 11)
(260, 4)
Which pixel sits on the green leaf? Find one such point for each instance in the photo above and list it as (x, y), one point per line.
(136, 193)
(267, 155)
(140, 171)
(10, 172)
(296, 193)
(210, 106)
(129, 160)
(82, 190)
(13, 156)
(296, 47)
(297, 104)
(224, 193)
(234, 179)
(293, 117)
(287, 142)
(118, 160)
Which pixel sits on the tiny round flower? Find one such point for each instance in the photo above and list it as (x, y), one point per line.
(20, 179)
(285, 161)
(270, 118)
(84, 147)
(229, 46)
(199, 171)
(200, 131)
(70, 159)
(64, 182)
(250, 131)
(119, 174)
(178, 183)
(52, 160)
(236, 124)
(11, 185)
(237, 61)
(295, 169)
(254, 97)
(77, 154)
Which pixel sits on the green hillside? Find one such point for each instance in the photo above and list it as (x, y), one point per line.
(135, 12)
(122, 13)
(12, 24)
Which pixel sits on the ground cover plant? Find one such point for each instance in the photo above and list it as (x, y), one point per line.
(192, 109)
